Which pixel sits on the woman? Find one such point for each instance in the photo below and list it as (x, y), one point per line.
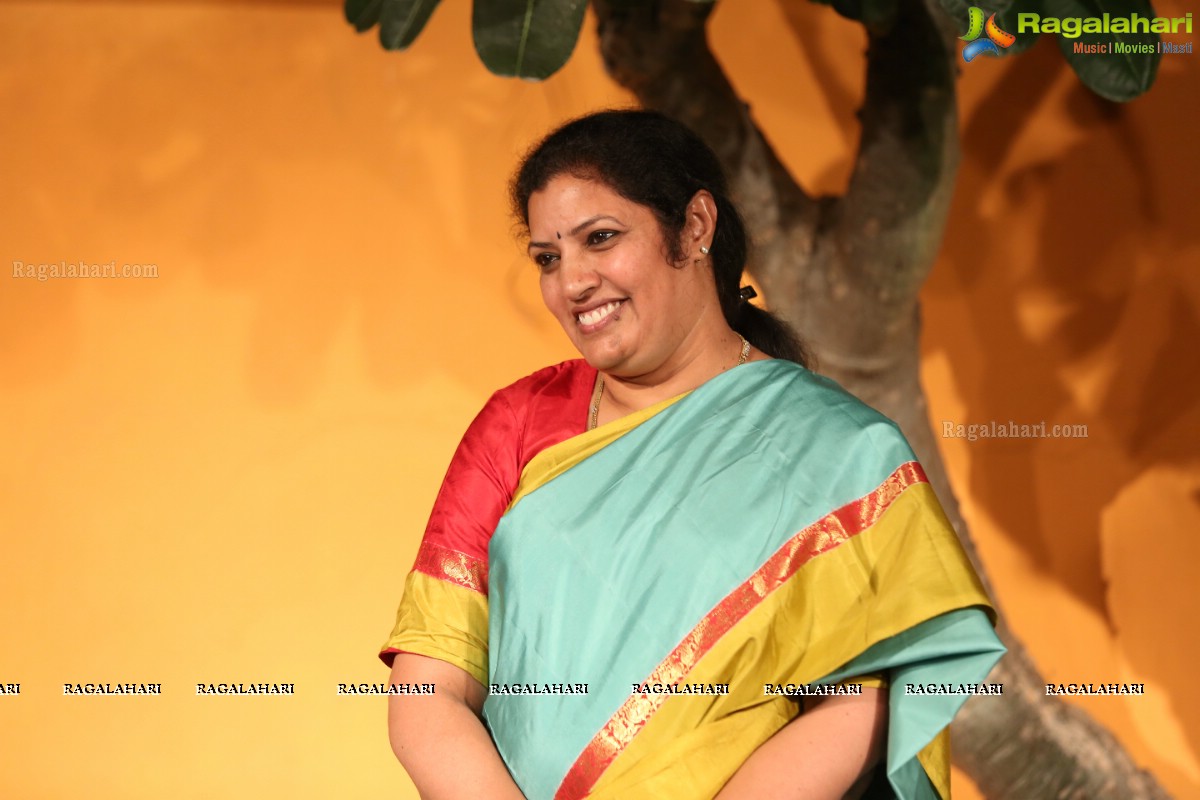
(636, 556)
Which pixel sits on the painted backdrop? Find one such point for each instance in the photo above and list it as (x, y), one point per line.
(221, 473)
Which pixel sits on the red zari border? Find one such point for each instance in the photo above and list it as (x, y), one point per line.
(450, 565)
(822, 536)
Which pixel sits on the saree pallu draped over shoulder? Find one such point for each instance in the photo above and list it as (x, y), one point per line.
(653, 579)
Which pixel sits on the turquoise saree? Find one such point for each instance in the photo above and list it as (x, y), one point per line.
(763, 531)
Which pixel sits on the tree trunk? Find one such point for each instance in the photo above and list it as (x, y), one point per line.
(846, 272)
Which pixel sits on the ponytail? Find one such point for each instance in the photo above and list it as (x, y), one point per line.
(761, 328)
(770, 334)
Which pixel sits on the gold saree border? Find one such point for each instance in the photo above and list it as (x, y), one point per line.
(821, 536)
(452, 566)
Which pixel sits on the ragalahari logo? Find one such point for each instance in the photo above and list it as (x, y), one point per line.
(996, 37)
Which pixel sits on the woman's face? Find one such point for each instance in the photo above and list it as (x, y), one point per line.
(606, 278)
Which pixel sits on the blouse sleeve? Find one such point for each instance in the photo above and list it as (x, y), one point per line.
(443, 613)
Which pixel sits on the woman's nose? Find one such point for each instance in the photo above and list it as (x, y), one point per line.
(579, 277)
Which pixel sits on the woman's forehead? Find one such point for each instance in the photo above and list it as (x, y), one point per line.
(568, 201)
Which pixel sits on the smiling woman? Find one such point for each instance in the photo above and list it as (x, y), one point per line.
(653, 332)
(685, 506)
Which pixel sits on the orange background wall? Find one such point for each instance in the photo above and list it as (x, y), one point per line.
(222, 473)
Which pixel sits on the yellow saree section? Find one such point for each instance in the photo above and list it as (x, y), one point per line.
(442, 620)
(662, 746)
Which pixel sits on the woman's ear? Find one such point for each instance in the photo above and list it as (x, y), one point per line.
(700, 225)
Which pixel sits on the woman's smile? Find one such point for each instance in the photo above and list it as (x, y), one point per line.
(606, 277)
(597, 317)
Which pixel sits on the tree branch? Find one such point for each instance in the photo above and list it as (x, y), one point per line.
(847, 271)
(889, 225)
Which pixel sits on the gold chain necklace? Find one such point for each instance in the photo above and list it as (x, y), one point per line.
(594, 411)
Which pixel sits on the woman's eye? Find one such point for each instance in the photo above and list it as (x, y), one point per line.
(544, 260)
(600, 237)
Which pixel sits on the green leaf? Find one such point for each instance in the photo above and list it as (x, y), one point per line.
(526, 38)
(363, 14)
(868, 12)
(1116, 76)
(402, 20)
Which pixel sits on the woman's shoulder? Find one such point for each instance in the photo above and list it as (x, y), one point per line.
(557, 382)
(810, 386)
(548, 406)
(818, 407)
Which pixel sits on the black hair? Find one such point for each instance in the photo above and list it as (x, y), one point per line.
(657, 162)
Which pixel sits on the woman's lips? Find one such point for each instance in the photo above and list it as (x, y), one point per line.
(596, 318)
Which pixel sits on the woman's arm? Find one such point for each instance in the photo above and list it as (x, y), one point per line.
(820, 755)
(440, 738)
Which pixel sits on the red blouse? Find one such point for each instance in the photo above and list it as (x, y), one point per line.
(517, 423)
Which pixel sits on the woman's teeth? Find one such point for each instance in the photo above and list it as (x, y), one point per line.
(596, 314)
